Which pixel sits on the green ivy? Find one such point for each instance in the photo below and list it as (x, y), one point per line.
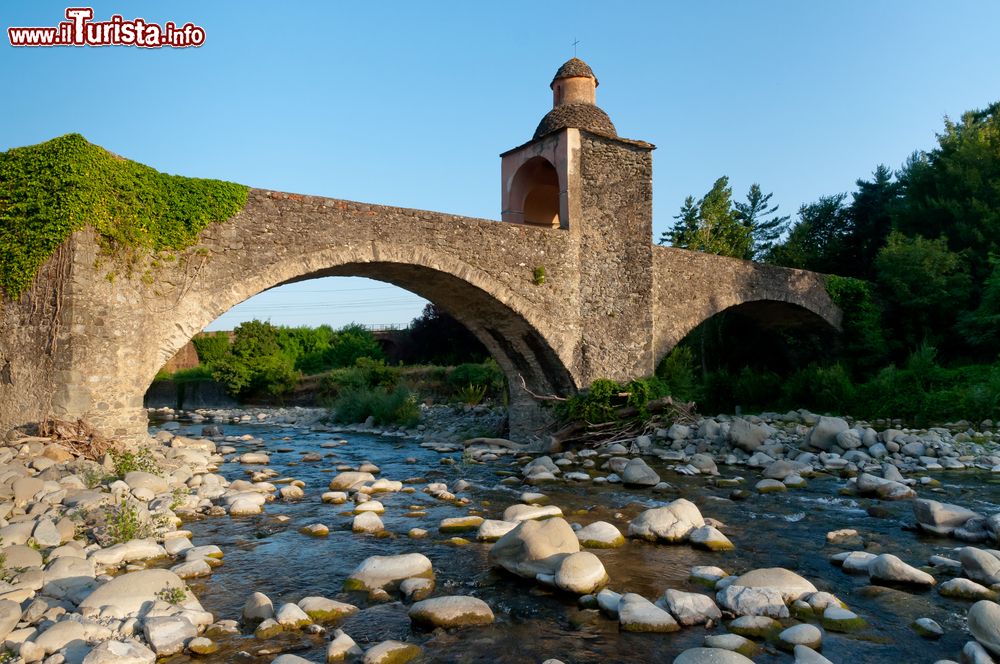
(50, 190)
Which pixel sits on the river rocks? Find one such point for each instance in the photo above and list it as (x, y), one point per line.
(823, 436)
(754, 626)
(451, 611)
(342, 648)
(267, 629)
(367, 522)
(517, 513)
(391, 652)
(245, 506)
(258, 608)
(672, 523)
(535, 547)
(891, 569)
(770, 486)
(315, 530)
(868, 484)
(787, 583)
(373, 506)
(638, 614)
(927, 628)
(711, 656)
(254, 458)
(460, 524)
(839, 619)
(746, 601)
(940, 518)
(138, 479)
(168, 634)
(321, 609)
(733, 642)
(966, 589)
(385, 572)
(349, 480)
(746, 435)
(490, 530)
(637, 473)
(581, 573)
(803, 634)
(980, 565)
(984, 624)
(135, 592)
(690, 608)
(782, 468)
(120, 652)
(291, 617)
(600, 535)
(711, 538)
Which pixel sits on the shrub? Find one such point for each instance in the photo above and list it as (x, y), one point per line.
(471, 395)
(211, 347)
(124, 524)
(126, 461)
(356, 404)
(172, 595)
(677, 370)
(486, 375)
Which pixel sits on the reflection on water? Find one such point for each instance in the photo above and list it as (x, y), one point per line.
(533, 624)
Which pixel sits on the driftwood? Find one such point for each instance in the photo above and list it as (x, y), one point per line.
(626, 426)
(78, 437)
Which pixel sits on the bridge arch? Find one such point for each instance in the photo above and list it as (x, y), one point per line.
(500, 319)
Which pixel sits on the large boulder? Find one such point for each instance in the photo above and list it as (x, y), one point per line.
(790, 585)
(869, 484)
(984, 623)
(453, 611)
(746, 601)
(135, 593)
(711, 656)
(638, 473)
(891, 569)
(823, 436)
(120, 652)
(349, 480)
(691, 608)
(581, 573)
(940, 518)
(672, 523)
(535, 547)
(381, 572)
(638, 614)
(746, 435)
(980, 565)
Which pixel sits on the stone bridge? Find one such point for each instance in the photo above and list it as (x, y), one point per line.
(566, 289)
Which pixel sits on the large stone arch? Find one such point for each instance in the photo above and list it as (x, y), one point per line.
(500, 319)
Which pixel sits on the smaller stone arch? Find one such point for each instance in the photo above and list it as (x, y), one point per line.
(534, 193)
(766, 313)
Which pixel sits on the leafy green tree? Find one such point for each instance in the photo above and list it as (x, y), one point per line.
(870, 219)
(211, 347)
(924, 285)
(762, 219)
(711, 224)
(350, 344)
(435, 337)
(981, 326)
(818, 240)
(955, 189)
(255, 362)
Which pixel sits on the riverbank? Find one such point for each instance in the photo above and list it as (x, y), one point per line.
(658, 535)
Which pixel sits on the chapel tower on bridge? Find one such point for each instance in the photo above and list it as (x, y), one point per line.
(577, 175)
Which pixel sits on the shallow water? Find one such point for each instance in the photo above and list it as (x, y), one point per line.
(533, 624)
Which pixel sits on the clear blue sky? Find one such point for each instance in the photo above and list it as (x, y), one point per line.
(410, 103)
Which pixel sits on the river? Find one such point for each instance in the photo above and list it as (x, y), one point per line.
(264, 553)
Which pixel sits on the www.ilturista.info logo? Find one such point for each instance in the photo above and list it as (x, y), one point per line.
(82, 30)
